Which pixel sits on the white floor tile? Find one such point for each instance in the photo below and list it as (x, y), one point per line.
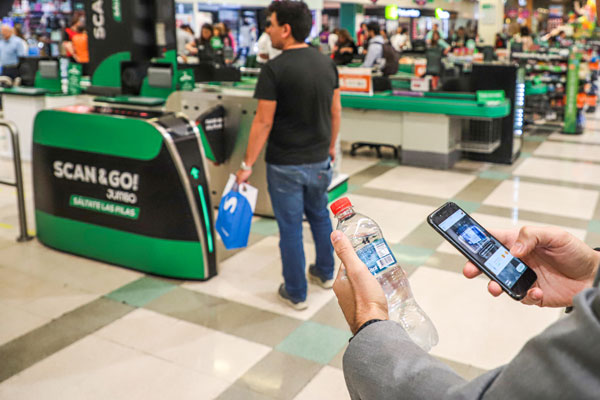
(583, 152)
(17, 322)
(396, 218)
(568, 202)
(492, 222)
(39, 297)
(592, 137)
(329, 383)
(81, 273)
(253, 276)
(422, 181)
(188, 345)
(353, 165)
(558, 170)
(474, 327)
(95, 368)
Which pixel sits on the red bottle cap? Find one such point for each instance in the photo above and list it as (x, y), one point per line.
(340, 205)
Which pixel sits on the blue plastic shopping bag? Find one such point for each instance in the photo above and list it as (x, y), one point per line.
(234, 219)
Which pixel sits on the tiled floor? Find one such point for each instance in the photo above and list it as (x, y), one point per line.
(73, 328)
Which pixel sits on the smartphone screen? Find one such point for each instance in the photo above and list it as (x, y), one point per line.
(484, 250)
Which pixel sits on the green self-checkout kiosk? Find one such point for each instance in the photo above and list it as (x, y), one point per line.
(125, 184)
(126, 187)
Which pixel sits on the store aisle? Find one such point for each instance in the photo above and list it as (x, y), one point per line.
(74, 328)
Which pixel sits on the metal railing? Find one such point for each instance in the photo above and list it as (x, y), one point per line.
(14, 136)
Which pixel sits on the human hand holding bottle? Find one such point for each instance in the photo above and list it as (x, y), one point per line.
(360, 296)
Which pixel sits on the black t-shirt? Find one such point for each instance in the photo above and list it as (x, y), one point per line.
(302, 82)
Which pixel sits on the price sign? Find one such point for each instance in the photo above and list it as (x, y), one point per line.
(356, 81)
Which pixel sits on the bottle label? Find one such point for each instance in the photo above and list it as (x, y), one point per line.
(377, 256)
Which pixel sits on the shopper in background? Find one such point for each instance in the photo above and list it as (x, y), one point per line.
(77, 21)
(247, 39)
(362, 36)
(429, 35)
(81, 53)
(299, 114)
(19, 33)
(11, 48)
(203, 45)
(216, 40)
(324, 35)
(184, 35)
(400, 40)
(227, 36)
(266, 51)
(524, 37)
(499, 42)
(333, 39)
(563, 362)
(438, 42)
(375, 49)
(345, 49)
(461, 38)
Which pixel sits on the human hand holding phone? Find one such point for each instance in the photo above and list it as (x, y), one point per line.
(564, 264)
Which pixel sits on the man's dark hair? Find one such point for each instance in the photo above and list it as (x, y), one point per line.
(294, 13)
(373, 27)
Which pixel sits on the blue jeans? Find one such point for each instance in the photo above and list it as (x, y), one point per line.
(298, 190)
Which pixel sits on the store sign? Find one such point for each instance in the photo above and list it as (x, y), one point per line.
(74, 79)
(186, 80)
(441, 14)
(409, 13)
(116, 8)
(119, 184)
(356, 80)
(393, 12)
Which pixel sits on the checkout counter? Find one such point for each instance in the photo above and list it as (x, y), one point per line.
(436, 128)
(21, 103)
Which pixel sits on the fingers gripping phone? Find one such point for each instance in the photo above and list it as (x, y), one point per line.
(482, 249)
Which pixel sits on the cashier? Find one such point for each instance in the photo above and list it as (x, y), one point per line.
(11, 48)
(438, 42)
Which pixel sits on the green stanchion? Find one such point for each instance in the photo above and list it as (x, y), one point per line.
(570, 123)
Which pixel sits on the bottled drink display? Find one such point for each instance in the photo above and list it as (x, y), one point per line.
(370, 246)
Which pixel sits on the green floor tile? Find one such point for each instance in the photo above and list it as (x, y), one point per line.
(315, 342)
(500, 176)
(535, 138)
(525, 154)
(265, 226)
(411, 255)
(352, 188)
(594, 226)
(469, 206)
(141, 292)
(389, 162)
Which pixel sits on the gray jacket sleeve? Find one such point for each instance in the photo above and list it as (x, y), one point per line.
(563, 362)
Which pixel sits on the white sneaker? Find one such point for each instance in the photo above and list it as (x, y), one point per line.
(285, 297)
(315, 278)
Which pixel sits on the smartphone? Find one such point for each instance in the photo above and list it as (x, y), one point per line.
(482, 249)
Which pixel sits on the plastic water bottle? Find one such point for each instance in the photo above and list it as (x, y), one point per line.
(368, 242)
